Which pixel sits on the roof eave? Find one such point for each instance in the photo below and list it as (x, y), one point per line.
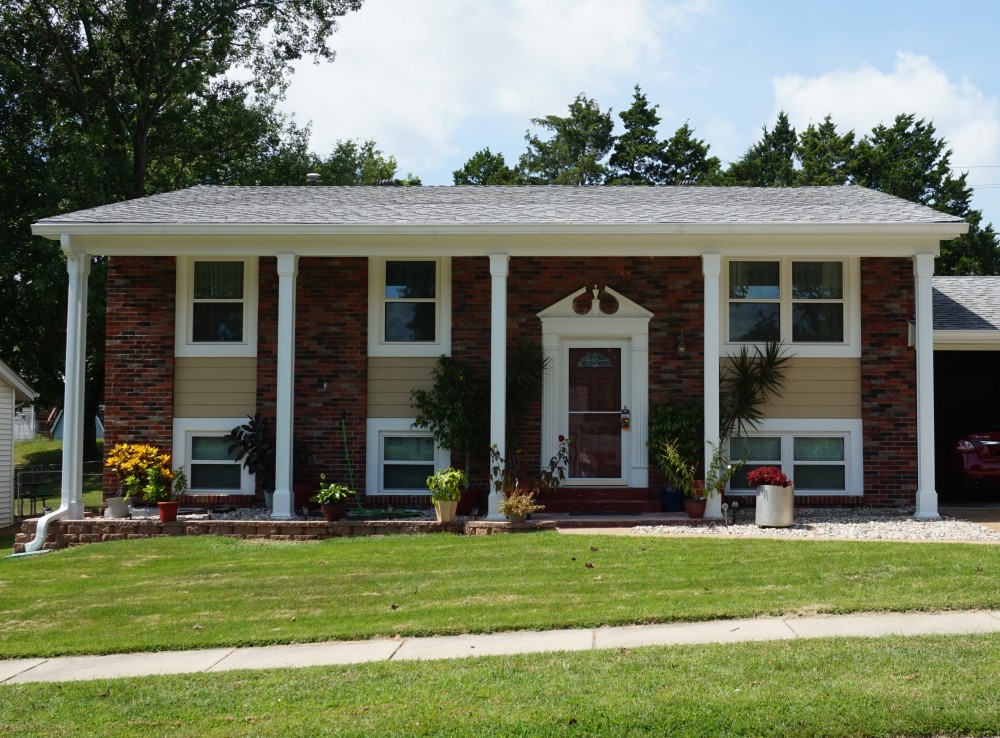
(56, 229)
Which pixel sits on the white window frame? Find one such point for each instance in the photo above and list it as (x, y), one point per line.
(377, 345)
(184, 345)
(187, 428)
(849, 347)
(377, 431)
(789, 429)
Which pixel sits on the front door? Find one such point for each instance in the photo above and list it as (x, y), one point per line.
(595, 406)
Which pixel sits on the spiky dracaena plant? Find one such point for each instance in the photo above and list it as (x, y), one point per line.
(748, 381)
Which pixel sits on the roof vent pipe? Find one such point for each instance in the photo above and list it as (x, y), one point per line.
(312, 179)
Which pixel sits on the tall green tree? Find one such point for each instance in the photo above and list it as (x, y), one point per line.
(686, 159)
(486, 168)
(824, 154)
(576, 152)
(770, 162)
(638, 153)
(103, 100)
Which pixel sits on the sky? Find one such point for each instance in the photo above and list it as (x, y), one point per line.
(433, 82)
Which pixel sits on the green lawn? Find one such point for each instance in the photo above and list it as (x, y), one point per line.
(202, 592)
(926, 686)
(40, 451)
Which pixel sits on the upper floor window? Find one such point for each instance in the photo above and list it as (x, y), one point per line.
(216, 307)
(795, 301)
(219, 302)
(409, 307)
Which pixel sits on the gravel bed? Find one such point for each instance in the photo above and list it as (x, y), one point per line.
(887, 524)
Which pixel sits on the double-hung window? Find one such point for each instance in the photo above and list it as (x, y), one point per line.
(799, 302)
(216, 307)
(409, 305)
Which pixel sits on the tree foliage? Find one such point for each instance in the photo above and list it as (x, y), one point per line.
(638, 153)
(575, 153)
(771, 161)
(486, 168)
(104, 100)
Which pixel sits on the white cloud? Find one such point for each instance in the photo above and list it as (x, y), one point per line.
(411, 74)
(865, 97)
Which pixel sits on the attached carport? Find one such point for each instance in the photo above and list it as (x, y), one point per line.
(966, 367)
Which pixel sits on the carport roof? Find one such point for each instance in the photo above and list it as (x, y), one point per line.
(967, 303)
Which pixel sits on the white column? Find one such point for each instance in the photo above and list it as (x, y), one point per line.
(78, 267)
(499, 269)
(711, 265)
(639, 427)
(927, 499)
(285, 412)
(553, 418)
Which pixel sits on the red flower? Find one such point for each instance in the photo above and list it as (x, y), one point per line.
(768, 475)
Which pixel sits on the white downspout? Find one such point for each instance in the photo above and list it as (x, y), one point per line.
(71, 501)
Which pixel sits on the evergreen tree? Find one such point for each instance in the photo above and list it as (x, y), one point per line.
(770, 162)
(638, 156)
(486, 168)
(824, 154)
(686, 159)
(575, 153)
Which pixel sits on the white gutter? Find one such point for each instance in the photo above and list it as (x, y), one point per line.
(71, 500)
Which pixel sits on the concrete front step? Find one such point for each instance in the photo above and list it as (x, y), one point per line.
(597, 500)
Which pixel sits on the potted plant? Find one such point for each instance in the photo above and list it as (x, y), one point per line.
(456, 410)
(683, 472)
(332, 499)
(775, 497)
(164, 487)
(680, 424)
(446, 486)
(518, 497)
(141, 470)
(253, 446)
(517, 504)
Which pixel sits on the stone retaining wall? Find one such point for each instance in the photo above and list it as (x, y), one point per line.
(68, 533)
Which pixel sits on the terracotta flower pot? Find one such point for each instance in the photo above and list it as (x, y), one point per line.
(333, 511)
(695, 508)
(168, 510)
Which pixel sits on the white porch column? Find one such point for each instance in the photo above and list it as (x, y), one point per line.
(285, 412)
(499, 269)
(71, 497)
(927, 499)
(639, 429)
(78, 267)
(711, 266)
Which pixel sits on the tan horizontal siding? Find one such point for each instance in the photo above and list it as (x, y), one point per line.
(390, 381)
(819, 388)
(215, 387)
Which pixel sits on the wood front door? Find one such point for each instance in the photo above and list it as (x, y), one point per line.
(595, 405)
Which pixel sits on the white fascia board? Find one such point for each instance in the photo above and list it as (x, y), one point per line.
(985, 340)
(551, 243)
(22, 391)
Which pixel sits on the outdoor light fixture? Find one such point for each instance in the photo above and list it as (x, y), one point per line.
(682, 348)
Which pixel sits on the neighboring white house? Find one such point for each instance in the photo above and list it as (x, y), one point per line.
(13, 391)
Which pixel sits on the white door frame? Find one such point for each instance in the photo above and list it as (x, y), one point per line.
(628, 325)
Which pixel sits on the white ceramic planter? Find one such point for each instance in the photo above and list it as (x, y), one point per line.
(116, 508)
(775, 506)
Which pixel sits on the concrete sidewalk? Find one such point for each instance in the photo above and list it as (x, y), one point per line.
(76, 668)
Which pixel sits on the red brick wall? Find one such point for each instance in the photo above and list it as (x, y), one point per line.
(672, 289)
(139, 360)
(888, 382)
(331, 366)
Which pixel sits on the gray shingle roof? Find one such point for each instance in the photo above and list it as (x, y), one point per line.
(509, 206)
(967, 303)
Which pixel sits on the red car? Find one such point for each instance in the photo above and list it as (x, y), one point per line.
(979, 460)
